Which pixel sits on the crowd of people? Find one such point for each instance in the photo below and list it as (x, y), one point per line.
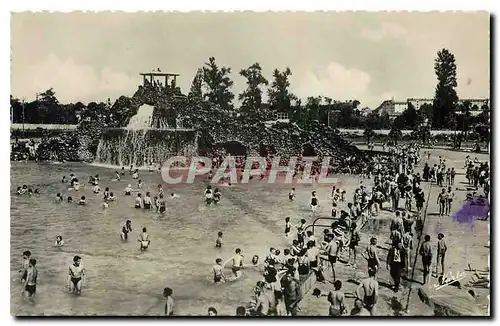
(287, 272)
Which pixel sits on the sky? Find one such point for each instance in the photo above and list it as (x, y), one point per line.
(370, 57)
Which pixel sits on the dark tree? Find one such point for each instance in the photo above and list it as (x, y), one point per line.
(411, 117)
(195, 92)
(218, 85)
(395, 134)
(368, 134)
(279, 95)
(445, 98)
(426, 112)
(48, 97)
(251, 97)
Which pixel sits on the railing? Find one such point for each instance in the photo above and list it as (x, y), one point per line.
(321, 225)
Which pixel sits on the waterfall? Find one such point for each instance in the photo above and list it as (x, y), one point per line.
(143, 119)
(140, 144)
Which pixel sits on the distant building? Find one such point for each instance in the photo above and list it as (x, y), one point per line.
(394, 109)
(418, 102)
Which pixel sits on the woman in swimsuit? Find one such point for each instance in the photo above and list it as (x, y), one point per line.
(314, 202)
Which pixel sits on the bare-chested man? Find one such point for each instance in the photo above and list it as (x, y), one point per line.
(76, 276)
(371, 255)
(144, 239)
(31, 278)
(336, 299)
(237, 263)
(370, 291)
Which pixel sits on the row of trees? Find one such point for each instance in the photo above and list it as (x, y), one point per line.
(211, 89)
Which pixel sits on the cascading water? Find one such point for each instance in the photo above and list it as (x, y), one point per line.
(141, 144)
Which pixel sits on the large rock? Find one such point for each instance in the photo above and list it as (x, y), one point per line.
(449, 301)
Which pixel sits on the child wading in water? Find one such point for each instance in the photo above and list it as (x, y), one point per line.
(288, 226)
(218, 241)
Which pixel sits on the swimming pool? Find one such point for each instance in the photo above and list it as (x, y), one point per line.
(121, 279)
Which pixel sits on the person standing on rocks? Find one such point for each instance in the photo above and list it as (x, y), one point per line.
(441, 253)
(395, 263)
(426, 254)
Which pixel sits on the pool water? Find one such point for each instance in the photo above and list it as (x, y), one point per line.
(122, 280)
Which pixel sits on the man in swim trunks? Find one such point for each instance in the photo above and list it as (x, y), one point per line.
(25, 265)
(218, 270)
(371, 255)
(337, 300)
(237, 263)
(126, 229)
(31, 278)
(370, 292)
(144, 239)
(76, 276)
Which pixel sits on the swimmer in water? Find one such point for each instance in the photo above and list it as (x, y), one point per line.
(218, 241)
(117, 175)
(64, 180)
(217, 196)
(76, 276)
(144, 239)
(81, 201)
(139, 184)
(70, 199)
(96, 188)
(288, 226)
(111, 197)
(31, 279)
(106, 193)
(126, 229)
(37, 191)
(128, 190)
(26, 262)
(18, 191)
(218, 271)
(30, 191)
(291, 194)
(160, 190)
(59, 198)
(24, 189)
(138, 201)
(147, 201)
(135, 175)
(208, 195)
(237, 263)
(161, 204)
(123, 170)
(172, 196)
(75, 184)
(131, 170)
(105, 204)
(59, 241)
